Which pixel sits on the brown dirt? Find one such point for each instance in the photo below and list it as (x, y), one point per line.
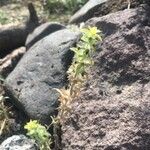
(16, 12)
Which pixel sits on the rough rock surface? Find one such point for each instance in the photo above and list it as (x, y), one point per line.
(18, 142)
(43, 68)
(42, 31)
(112, 112)
(103, 7)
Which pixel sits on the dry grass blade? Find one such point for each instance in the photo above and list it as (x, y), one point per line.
(129, 4)
(2, 128)
(77, 72)
(65, 102)
(4, 116)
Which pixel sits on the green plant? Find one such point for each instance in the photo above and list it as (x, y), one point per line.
(4, 116)
(3, 18)
(59, 6)
(54, 6)
(73, 5)
(77, 73)
(39, 133)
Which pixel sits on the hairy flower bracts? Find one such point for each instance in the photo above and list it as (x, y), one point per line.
(77, 73)
(4, 116)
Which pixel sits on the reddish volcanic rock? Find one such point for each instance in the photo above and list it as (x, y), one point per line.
(112, 112)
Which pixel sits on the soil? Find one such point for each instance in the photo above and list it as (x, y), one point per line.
(15, 12)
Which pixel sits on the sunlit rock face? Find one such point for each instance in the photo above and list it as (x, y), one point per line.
(97, 8)
(112, 112)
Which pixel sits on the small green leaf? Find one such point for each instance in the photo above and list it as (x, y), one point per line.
(39, 133)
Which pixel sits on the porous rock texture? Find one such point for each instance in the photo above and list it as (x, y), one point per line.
(103, 7)
(43, 67)
(112, 112)
(18, 142)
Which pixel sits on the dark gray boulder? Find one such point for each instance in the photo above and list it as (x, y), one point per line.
(42, 31)
(42, 68)
(18, 142)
